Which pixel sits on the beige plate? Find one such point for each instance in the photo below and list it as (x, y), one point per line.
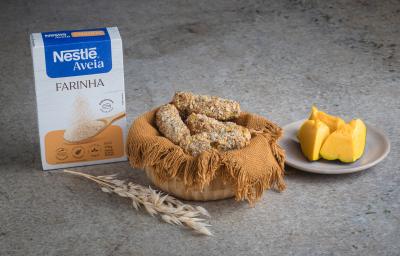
(377, 148)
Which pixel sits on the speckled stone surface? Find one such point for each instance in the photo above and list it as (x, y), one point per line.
(276, 58)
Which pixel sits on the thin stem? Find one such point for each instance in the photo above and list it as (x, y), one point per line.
(102, 182)
(90, 177)
(179, 212)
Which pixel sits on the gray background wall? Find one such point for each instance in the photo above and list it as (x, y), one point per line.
(276, 58)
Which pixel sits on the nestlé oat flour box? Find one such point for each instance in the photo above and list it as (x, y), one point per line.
(79, 84)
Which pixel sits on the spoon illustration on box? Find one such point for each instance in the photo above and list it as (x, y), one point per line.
(85, 131)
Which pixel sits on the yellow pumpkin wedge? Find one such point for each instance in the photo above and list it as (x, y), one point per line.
(347, 143)
(311, 135)
(333, 122)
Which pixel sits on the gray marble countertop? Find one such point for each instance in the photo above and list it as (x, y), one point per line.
(277, 58)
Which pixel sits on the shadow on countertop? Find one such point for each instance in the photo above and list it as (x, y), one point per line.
(292, 174)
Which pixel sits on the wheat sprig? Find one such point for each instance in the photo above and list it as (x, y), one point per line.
(170, 209)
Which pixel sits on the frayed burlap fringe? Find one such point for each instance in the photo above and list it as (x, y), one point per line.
(251, 170)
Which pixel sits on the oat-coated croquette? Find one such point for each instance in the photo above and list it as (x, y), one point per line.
(211, 106)
(170, 124)
(196, 144)
(203, 131)
(202, 123)
(223, 135)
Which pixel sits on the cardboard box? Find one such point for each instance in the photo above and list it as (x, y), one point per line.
(80, 95)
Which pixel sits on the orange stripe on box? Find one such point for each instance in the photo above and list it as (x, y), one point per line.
(87, 33)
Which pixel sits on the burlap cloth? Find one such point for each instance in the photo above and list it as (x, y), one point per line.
(250, 170)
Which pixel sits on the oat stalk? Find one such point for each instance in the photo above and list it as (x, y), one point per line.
(170, 209)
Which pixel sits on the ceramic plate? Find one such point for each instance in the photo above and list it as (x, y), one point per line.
(376, 150)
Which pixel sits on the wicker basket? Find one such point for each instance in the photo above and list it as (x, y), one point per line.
(216, 190)
(248, 172)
